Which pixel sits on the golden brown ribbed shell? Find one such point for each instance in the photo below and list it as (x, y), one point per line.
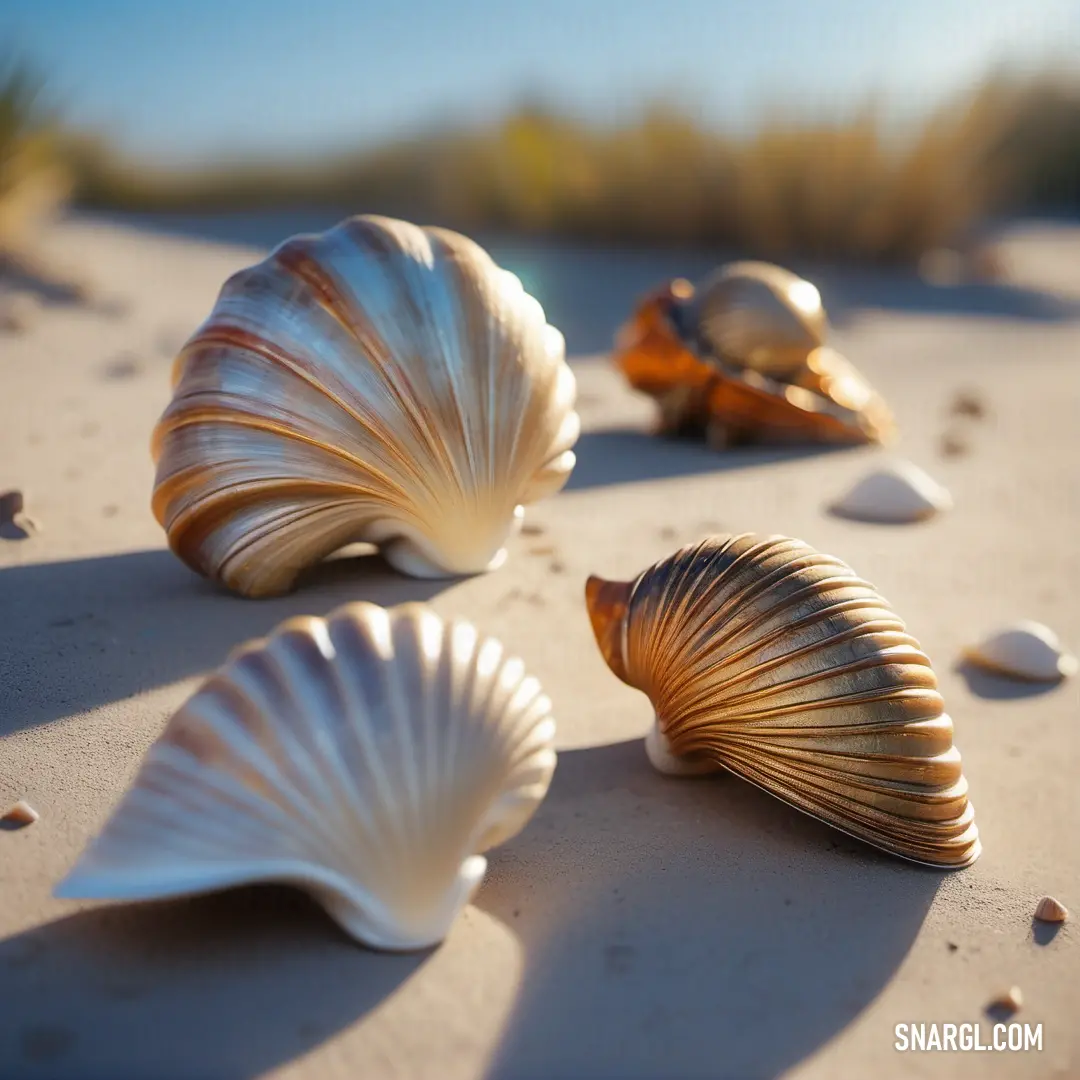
(761, 316)
(744, 359)
(379, 382)
(764, 657)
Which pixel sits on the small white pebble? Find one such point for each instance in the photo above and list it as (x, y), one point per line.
(20, 815)
(1051, 910)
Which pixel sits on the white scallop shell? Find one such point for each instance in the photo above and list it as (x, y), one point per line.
(380, 382)
(1024, 650)
(369, 757)
(895, 493)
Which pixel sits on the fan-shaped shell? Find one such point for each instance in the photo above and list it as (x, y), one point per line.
(743, 360)
(764, 657)
(369, 757)
(378, 382)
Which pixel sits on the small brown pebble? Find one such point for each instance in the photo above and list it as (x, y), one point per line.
(1051, 910)
(532, 528)
(557, 567)
(20, 815)
(110, 510)
(15, 523)
(968, 403)
(1008, 1002)
(668, 533)
(952, 946)
(122, 367)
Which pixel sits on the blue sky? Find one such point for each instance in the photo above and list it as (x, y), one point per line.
(194, 80)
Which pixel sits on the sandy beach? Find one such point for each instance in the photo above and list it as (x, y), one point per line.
(641, 926)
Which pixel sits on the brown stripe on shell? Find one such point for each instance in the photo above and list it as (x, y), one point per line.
(750, 661)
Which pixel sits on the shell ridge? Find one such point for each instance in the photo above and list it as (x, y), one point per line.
(873, 828)
(863, 664)
(405, 641)
(210, 711)
(829, 611)
(784, 666)
(863, 697)
(728, 572)
(344, 811)
(657, 610)
(353, 630)
(860, 815)
(718, 692)
(264, 682)
(257, 814)
(726, 601)
(366, 420)
(192, 418)
(937, 771)
(730, 610)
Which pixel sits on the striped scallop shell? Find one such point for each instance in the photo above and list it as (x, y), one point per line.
(369, 757)
(764, 657)
(378, 382)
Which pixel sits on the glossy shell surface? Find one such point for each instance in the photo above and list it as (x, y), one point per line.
(370, 758)
(380, 382)
(744, 360)
(778, 663)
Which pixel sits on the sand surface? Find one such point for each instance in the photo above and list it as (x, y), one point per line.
(641, 926)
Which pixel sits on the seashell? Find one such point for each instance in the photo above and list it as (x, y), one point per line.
(380, 382)
(761, 316)
(1051, 910)
(19, 815)
(369, 757)
(1025, 650)
(778, 663)
(896, 493)
(744, 360)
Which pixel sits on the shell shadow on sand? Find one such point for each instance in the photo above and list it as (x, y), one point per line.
(223, 986)
(148, 621)
(987, 684)
(629, 455)
(662, 922)
(666, 922)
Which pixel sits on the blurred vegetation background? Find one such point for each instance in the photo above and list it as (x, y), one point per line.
(858, 189)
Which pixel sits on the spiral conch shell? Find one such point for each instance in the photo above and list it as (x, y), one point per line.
(764, 657)
(744, 359)
(379, 382)
(369, 757)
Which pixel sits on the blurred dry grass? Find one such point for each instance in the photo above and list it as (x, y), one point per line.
(856, 189)
(34, 179)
